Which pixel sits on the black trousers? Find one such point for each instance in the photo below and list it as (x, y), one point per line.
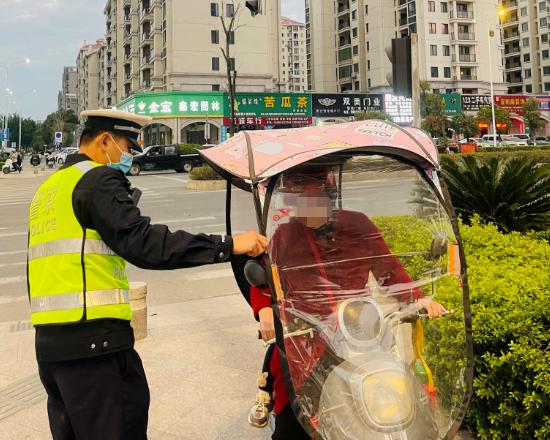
(287, 427)
(100, 398)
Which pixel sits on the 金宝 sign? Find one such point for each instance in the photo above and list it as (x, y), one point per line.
(165, 105)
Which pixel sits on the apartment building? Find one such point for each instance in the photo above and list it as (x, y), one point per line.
(525, 35)
(67, 98)
(455, 50)
(293, 72)
(156, 45)
(88, 70)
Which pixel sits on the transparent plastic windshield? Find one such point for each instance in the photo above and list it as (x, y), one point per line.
(367, 279)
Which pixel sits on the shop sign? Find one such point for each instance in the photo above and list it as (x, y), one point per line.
(166, 105)
(452, 103)
(345, 105)
(544, 102)
(271, 104)
(473, 103)
(270, 120)
(399, 108)
(512, 103)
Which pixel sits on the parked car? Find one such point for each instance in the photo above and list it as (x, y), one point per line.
(515, 139)
(62, 154)
(487, 140)
(477, 141)
(539, 140)
(164, 157)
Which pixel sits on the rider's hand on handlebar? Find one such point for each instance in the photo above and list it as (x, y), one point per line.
(250, 243)
(267, 326)
(433, 308)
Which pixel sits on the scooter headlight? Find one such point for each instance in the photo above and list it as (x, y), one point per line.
(388, 398)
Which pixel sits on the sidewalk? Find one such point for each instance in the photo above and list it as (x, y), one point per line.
(201, 360)
(29, 172)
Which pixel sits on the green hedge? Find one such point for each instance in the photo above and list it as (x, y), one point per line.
(510, 285)
(515, 148)
(510, 303)
(541, 155)
(189, 148)
(205, 172)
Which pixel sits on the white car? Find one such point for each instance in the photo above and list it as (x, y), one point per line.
(61, 157)
(509, 139)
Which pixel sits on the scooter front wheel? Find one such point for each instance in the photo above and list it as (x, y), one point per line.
(6, 170)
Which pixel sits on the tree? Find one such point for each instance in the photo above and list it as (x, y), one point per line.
(432, 109)
(502, 118)
(229, 30)
(61, 120)
(511, 193)
(383, 116)
(28, 127)
(532, 116)
(465, 125)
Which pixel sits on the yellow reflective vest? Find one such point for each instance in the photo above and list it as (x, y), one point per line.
(73, 275)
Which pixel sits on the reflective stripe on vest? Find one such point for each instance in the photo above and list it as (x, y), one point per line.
(69, 246)
(70, 301)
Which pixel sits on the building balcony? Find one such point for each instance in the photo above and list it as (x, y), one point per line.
(468, 78)
(464, 58)
(146, 84)
(146, 38)
(512, 21)
(510, 36)
(461, 15)
(512, 67)
(463, 36)
(145, 14)
(513, 51)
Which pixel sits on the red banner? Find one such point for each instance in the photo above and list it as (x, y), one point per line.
(512, 103)
(270, 120)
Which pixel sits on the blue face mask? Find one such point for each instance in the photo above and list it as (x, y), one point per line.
(125, 162)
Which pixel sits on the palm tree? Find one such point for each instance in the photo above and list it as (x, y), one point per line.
(512, 193)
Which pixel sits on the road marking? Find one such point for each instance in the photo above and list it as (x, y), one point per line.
(10, 280)
(14, 264)
(13, 252)
(171, 178)
(13, 234)
(13, 299)
(194, 219)
(211, 275)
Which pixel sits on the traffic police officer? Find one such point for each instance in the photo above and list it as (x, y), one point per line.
(84, 226)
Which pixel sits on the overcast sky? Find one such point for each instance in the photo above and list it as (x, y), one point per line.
(50, 33)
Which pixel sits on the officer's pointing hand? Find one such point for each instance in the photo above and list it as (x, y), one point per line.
(250, 243)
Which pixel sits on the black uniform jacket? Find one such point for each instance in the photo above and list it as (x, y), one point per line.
(102, 201)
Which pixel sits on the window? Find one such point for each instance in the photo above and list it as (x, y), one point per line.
(527, 73)
(368, 46)
(431, 6)
(354, 33)
(369, 83)
(444, 28)
(446, 51)
(356, 67)
(544, 38)
(526, 58)
(542, 6)
(354, 15)
(355, 50)
(524, 27)
(367, 28)
(231, 64)
(231, 37)
(433, 50)
(523, 11)
(433, 28)
(547, 87)
(543, 22)
(525, 42)
(229, 10)
(214, 9)
(435, 72)
(545, 54)
(447, 72)
(215, 37)
(170, 151)
(215, 87)
(546, 70)
(528, 88)
(368, 65)
(215, 63)
(366, 9)
(444, 7)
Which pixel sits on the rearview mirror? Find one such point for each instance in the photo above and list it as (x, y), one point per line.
(255, 274)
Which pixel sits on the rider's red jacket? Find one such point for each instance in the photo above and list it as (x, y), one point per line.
(316, 268)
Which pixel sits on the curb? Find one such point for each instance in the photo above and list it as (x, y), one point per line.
(205, 185)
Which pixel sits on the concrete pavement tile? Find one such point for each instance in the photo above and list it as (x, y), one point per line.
(162, 434)
(14, 431)
(34, 418)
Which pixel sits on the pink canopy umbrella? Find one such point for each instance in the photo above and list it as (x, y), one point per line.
(275, 151)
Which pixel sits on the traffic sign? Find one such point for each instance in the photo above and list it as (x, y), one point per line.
(58, 137)
(5, 134)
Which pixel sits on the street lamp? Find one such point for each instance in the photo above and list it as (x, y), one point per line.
(6, 68)
(501, 12)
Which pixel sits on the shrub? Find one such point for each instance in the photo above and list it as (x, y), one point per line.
(516, 148)
(509, 282)
(512, 193)
(189, 148)
(205, 172)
